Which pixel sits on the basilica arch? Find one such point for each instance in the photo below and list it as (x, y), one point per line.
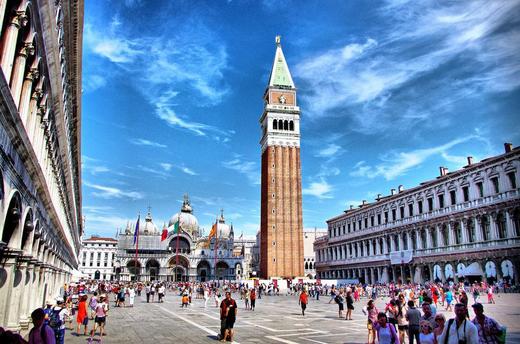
(203, 271)
(178, 268)
(152, 269)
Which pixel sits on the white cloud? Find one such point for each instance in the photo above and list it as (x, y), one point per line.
(92, 82)
(331, 150)
(364, 77)
(166, 166)
(108, 192)
(248, 168)
(193, 60)
(144, 142)
(321, 189)
(188, 170)
(397, 164)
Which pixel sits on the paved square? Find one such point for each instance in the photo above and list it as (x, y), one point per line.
(277, 319)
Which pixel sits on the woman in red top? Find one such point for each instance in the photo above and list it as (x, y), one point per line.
(82, 316)
(304, 299)
(252, 297)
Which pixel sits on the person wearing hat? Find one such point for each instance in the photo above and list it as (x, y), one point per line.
(488, 328)
(57, 319)
(101, 314)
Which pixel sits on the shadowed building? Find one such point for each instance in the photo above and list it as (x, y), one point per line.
(40, 165)
(281, 229)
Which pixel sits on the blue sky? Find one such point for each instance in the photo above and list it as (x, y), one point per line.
(389, 91)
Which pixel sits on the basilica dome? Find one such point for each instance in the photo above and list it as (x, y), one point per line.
(149, 227)
(188, 222)
(224, 230)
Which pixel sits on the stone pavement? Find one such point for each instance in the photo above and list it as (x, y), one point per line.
(277, 319)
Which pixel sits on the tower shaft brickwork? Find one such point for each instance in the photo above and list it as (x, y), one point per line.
(281, 226)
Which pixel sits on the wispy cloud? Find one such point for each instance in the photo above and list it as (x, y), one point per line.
(92, 82)
(373, 79)
(188, 170)
(108, 192)
(192, 60)
(397, 164)
(144, 142)
(166, 166)
(248, 168)
(320, 189)
(329, 151)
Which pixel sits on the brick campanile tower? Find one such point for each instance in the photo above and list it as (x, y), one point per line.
(281, 229)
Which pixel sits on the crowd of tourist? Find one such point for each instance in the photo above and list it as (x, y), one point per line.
(410, 312)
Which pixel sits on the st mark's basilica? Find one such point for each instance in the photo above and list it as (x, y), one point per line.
(183, 255)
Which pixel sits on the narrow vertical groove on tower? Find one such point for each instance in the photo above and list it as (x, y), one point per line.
(281, 228)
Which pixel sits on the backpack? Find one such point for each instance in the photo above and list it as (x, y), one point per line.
(54, 319)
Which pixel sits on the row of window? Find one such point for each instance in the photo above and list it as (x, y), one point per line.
(393, 242)
(283, 125)
(99, 245)
(421, 207)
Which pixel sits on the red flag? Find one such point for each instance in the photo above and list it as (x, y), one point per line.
(164, 234)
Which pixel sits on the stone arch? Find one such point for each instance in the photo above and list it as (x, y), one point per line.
(238, 270)
(280, 124)
(203, 270)
(134, 267)
(275, 124)
(179, 271)
(184, 245)
(501, 225)
(153, 268)
(12, 216)
(508, 270)
(291, 125)
(490, 270)
(306, 266)
(27, 229)
(286, 125)
(222, 269)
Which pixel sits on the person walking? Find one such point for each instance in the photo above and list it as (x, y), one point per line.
(413, 315)
(131, 296)
(371, 312)
(206, 296)
(303, 300)
(402, 323)
(101, 316)
(386, 332)
(350, 305)
(487, 327)
(230, 315)
(339, 299)
(41, 333)
(92, 305)
(449, 300)
(160, 292)
(57, 320)
(147, 290)
(246, 296)
(440, 321)
(459, 329)
(82, 316)
(252, 298)
(490, 296)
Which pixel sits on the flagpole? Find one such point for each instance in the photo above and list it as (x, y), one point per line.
(177, 245)
(136, 246)
(216, 247)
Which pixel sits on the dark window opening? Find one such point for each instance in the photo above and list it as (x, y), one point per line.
(480, 187)
(420, 207)
(410, 209)
(495, 184)
(430, 204)
(401, 211)
(275, 124)
(465, 193)
(441, 201)
(512, 179)
(453, 197)
(394, 215)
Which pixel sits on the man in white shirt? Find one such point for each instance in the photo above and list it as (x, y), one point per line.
(459, 329)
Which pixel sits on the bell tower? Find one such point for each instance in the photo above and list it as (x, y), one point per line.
(281, 229)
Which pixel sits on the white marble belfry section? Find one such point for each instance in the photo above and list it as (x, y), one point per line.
(40, 184)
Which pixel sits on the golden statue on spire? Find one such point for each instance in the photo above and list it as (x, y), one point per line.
(278, 39)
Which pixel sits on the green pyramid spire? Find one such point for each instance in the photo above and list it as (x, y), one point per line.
(280, 75)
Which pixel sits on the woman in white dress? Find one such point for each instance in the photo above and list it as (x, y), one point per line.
(131, 295)
(426, 336)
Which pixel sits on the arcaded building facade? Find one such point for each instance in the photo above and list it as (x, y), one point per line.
(97, 257)
(281, 224)
(40, 188)
(463, 225)
(186, 255)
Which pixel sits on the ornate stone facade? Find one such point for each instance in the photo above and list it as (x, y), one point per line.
(186, 255)
(40, 189)
(281, 239)
(462, 225)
